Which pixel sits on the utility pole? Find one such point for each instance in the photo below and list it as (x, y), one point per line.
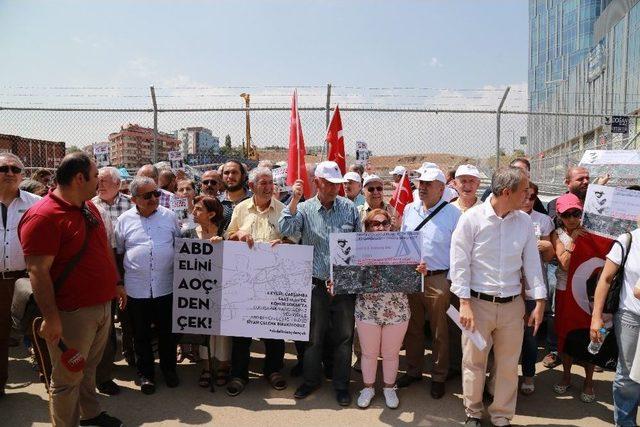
(154, 153)
(504, 98)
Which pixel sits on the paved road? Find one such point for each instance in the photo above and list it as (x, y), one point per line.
(26, 405)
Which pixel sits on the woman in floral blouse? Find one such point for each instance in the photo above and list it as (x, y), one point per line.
(382, 320)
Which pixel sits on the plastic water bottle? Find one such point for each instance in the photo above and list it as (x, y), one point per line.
(594, 347)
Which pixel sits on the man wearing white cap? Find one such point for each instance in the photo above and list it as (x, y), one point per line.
(447, 195)
(436, 219)
(352, 188)
(373, 194)
(467, 183)
(313, 220)
(397, 173)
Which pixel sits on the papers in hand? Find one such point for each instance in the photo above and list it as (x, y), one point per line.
(475, 337)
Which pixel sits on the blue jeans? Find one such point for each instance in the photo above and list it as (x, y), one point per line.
(626, 392)
(529, 345)
(549, 311)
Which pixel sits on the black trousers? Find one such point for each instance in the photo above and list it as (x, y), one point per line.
(241, 356)
(143, 313)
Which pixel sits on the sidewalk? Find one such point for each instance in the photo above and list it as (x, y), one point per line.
(259, 405)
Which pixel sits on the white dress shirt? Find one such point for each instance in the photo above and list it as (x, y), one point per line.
(12, 256)
(147, 245)
(488, 253)
(436, 234)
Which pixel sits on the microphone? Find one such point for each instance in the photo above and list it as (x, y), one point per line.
(71, 358)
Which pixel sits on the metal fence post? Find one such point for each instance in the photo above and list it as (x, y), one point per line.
(326, 120)
(154, 152)
(504, 98)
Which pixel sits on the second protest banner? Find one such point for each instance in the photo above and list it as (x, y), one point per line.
(375, 262)
(231, 290)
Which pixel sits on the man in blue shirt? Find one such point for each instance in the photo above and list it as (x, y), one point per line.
(332, 316)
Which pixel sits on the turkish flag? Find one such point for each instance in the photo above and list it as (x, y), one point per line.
(574, 304)
(296, 166)
(402, 195)
(335, 143)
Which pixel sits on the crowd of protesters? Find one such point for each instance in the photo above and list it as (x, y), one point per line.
(98, 250)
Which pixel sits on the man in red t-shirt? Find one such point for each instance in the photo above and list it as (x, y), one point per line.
(77, 308)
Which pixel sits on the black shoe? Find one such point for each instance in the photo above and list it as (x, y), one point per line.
(171, 379)
(147, 386)
(343, 397)
(102, 420)
(296, 371)
(109, 388)
(130, 359)
(303, 391)
(406, 380)
(437, 389)
(472, 422)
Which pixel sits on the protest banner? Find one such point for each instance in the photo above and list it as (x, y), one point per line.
(101, 153)
(375, 262)
(180, 206)
(362, 153)
(623, 166)
(231, 290)
(610, 211)
(176, 160)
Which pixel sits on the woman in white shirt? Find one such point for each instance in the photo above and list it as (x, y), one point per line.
(626, 391)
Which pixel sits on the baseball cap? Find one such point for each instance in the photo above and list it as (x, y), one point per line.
(372, 178)
(425, 166)
(398, 170)
(432, 174)
(467, 170)
(568, 201)
(329, 171)
(352, 176)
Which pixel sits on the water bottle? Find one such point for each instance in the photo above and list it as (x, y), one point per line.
(594, 347)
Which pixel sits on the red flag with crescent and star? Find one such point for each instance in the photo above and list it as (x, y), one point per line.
(335, 144)
(296, 166)
(402, 195)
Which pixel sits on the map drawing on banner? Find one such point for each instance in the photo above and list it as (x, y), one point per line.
(176, 160)
(228, 289)
(610, 211)
(622, 165)
(362, 153)
(375, 262)
(101, 153)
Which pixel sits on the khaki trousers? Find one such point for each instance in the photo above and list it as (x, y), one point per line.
(72, 395)
(433, 302)
(502, 326)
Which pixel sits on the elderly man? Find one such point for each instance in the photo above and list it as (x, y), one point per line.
(467, 182)
(14, 204)
(353, 188)
(448, 194)
(145, 237)
(256, 220)
(167, 180)
(109, 196)
(492, 246)
(234, 178)
(74, 279)
(373, 194)
(210, 183)
(313, 220)
(436, 220)
(151, 171)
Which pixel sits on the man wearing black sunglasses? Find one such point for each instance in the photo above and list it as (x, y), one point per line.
(14, 203)
(210, 184)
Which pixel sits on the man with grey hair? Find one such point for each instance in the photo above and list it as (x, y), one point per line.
(256, 220)
(14, 203)
(150, 171)
(108, 195)
(492, 246)
(145, 236)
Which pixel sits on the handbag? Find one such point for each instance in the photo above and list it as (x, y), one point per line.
(612, 302)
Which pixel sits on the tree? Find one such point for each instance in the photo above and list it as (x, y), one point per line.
(72, 149)
(227, 141)
(229, 150)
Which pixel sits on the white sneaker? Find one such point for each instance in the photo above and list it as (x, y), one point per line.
(390, 397)
(366, 395)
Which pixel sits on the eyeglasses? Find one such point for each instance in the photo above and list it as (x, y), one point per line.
(149, 194)
(372, 189)
(379, 223)
(210, 182)
(14, 169)
(575, 213)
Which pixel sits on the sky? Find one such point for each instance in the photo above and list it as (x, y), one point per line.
(408, 53)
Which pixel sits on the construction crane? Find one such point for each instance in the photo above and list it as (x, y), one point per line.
(248, 149)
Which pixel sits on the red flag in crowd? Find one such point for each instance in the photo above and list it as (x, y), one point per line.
(296, 166)
(402, 195)
(574, 304)
(335, 143)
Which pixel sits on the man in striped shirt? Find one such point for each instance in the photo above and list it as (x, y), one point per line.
(313, 220)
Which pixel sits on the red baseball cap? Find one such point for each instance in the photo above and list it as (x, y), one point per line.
(568, 201)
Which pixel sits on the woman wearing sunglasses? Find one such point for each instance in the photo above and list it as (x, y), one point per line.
(382, 320)
(373, 193)
(569, 209)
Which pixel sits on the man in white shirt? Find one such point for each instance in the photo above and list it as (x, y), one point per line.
(467, 183)
(434, 301)
(145, 237)
(14, 204)
(448, 194)
(492, 244)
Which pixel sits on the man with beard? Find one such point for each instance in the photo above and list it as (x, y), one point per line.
(210, 184)
(577, 181)
(234, 179)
